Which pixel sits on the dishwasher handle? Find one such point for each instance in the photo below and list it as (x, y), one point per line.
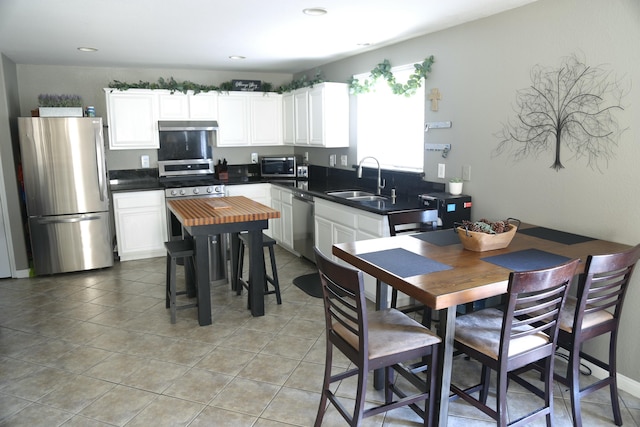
(300, 195)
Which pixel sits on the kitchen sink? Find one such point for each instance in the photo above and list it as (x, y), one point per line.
(371, 198)
(350, 194)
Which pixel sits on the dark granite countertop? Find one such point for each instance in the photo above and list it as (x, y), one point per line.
(381, 207)
(134, 180)
(147, 179)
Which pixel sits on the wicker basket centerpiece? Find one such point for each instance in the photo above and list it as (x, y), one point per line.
(485, 235)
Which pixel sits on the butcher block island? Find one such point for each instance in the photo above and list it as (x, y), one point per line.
(220, 210)
(202, 217)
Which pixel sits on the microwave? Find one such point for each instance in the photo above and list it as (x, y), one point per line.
(186, 148)
(279, 166)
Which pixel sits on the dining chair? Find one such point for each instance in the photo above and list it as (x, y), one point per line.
(377, 340)
(510, 341)
(411, 222)
(595, 311)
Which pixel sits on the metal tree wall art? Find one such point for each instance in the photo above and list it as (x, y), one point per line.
(572, 105)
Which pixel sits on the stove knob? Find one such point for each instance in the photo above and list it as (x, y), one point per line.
(209, 189)
(174, 193)
(196, 191)
(218, 190)
(183, 192)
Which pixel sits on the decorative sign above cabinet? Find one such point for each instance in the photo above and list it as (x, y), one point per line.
(247, 85)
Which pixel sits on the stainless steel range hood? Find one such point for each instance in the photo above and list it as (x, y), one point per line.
(181, 125)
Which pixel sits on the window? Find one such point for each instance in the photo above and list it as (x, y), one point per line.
(391, 127)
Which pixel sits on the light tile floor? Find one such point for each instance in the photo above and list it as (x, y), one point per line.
(97, 349)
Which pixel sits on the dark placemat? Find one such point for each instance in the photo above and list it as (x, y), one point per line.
(438, 238)
(404, 263)
(310, 284)
(528, 259)
(555, 235)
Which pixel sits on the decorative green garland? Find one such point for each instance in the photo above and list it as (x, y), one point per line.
(384, 70)
(172, 85)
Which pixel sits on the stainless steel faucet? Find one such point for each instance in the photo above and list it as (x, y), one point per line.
(381, 183)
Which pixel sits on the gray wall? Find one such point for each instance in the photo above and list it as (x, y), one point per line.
(479, 66)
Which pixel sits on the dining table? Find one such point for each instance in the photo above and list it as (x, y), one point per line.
(435, 269)
(202, 217)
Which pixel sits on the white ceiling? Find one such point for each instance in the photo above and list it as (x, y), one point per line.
(273, 35)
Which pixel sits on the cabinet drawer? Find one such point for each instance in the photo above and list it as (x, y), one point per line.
(138, 199)
(370, 224)
(337, 213)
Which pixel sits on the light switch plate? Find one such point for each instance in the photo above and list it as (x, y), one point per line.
(440, 170)
(144, 161)
(343, 160)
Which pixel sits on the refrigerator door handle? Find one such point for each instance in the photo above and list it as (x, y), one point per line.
(76, 218)
(100, 161)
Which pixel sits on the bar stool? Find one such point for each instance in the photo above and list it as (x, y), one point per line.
(273, 279)
(176, 249)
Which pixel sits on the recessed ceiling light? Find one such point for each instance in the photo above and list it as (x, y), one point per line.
(237, 57)
(315, 11)
(87, 49)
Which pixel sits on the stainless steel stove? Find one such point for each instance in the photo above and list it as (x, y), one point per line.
(198, 187)
(192, 187)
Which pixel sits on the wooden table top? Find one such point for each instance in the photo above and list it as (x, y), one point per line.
(470, 279)
(219, 210)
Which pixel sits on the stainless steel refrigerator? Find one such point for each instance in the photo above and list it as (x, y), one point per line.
(65, 182)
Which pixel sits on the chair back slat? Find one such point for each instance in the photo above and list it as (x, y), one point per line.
(344, 303)
(533, 306)
(605, 283)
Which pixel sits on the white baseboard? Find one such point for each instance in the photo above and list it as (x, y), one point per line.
(624, 383)
(22, 274)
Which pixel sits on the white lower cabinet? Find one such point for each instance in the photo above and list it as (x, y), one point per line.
(282, 228)
(335, 223)
(141, 224)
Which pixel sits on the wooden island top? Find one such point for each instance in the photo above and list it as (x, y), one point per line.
(219, 210)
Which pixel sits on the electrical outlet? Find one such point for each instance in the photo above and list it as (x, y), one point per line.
(466, 173)
(144, 161)
(332, 160)
(440, 170)
(306, 156)
(343, 160)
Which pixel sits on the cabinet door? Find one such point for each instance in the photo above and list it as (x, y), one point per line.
(132, 119)
(286, 224)
(316, 116)
(323, 236)
(233, 119)
(288, 119)
(301, 118)
(140, 219)
(173, 106)
(266, 119)
(203, 106)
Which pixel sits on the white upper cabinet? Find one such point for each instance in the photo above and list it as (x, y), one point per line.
(288, 114)
(317, 116)
(301, 117)
(329, 115)
(180, 106)
(249, 118)
(132, 117)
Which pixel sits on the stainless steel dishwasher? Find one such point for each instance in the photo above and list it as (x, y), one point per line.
(303, 225)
